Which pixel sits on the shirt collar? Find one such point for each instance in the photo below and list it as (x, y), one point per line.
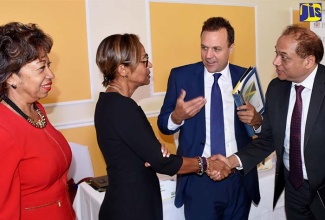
(225, 73)
(309, 81)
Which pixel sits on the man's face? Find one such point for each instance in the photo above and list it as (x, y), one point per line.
(289, 65)
(214, 50)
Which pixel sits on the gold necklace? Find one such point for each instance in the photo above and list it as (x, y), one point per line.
(114, 87)
(41, 123)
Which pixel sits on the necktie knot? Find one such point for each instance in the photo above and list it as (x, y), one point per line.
(216, 76)
(299, 89)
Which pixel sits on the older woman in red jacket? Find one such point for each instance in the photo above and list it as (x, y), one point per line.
(34, 156)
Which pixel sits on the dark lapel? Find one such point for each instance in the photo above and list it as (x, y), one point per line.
(316, 100)
(235, 74)
(198, 88)
(199, 78)
(199, 84)
(283, 97)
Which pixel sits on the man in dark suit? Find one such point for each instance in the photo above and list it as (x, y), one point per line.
(302, 174)
(186, 108)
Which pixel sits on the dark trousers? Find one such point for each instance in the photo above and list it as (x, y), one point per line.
(210, 200)
(298, 202)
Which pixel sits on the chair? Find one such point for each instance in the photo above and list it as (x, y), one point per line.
(81, 168)
(81, 165)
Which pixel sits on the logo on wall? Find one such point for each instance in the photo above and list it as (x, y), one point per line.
(310, 12)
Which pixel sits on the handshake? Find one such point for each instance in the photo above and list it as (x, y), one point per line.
(219, 167)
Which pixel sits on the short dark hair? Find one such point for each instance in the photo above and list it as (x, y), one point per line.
(20, 44)
(308, 42)
(216, 23)
(115, 50)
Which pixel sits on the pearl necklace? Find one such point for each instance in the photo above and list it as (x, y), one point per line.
(41, 123)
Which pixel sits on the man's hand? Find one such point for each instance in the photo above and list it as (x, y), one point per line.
(231, 162)
(218, 167)
(185, 110)
(248, 115)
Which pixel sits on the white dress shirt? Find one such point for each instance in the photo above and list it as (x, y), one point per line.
(306, 95)
(225, 84)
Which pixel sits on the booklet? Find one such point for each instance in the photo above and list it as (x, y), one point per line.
(249, 89)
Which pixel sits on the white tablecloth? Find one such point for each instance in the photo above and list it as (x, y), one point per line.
(87, 202)
(264, 210)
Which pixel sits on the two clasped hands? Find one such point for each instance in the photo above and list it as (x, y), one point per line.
(219, 167)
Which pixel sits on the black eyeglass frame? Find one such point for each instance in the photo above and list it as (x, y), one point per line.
(146, 61)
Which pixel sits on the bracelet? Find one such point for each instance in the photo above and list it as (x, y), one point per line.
(204, 162)
(200, 170)
(208, 164)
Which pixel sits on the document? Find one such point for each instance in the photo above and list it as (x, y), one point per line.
(249, 89)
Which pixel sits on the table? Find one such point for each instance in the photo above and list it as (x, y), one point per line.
(264, 210)
(87, 202)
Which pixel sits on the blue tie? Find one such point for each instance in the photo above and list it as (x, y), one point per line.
(217, 132)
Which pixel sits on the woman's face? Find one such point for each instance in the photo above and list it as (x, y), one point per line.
(34, 80)
(141, 75)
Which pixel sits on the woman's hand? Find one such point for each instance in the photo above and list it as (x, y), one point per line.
(165, 152)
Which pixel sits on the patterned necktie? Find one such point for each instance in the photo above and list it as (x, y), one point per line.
(217, 132)
(295, 174)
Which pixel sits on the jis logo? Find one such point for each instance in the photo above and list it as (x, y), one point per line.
(310, 12)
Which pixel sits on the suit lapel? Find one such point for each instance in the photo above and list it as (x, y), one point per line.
(316, 100)
(235, 75)
(284, 96)
(199, 76)
(198, 80)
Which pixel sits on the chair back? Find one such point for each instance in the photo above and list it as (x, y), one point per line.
(81, 166)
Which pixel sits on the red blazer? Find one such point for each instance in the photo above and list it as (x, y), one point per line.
(34, 165)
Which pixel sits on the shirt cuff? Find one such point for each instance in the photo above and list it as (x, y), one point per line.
(258, 130)
(171, 125)
(240, 167)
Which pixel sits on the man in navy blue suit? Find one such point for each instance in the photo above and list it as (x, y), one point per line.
(186, 108)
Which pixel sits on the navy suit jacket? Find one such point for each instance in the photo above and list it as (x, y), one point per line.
(193, 133)
(273, 134)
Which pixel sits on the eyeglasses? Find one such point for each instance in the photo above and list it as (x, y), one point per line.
(145, 60)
